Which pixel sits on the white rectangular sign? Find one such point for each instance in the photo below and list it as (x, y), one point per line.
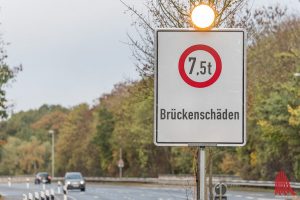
(200, 81)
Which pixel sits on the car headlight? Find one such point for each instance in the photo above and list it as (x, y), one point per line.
(68, 182)
(81, 182)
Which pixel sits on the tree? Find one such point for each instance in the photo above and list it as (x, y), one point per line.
(25, 141)
(9, 158)
(33, 156)
(102, 138)
(74, 149)
(6, 74)
(26, 124)
(24, 157)
(171, 14)
(272, 120)
(124, 119)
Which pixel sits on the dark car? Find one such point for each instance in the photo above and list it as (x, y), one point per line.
(42, 177)
(74, 180)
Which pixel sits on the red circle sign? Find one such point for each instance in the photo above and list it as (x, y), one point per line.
(212, 79)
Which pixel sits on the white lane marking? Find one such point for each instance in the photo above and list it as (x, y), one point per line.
(69, 196)
(249, 197)
(259, 195)
(238, 196)
(96, 197)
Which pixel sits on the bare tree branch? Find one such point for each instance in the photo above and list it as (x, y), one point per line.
(176, 14)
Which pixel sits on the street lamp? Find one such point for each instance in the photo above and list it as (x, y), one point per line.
(52, 168)
(203, 16)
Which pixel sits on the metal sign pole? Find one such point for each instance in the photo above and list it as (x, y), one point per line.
(120, 167)
(221, 186)
(53, 159)
(198, 176)
(201, 173)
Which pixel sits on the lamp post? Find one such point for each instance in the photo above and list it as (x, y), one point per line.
(52, 168)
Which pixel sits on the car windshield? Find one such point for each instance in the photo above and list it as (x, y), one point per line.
(43, 174)
(73, 176)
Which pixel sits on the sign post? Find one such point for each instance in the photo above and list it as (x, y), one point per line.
(200, 90)
(120, 164)
(201, 159)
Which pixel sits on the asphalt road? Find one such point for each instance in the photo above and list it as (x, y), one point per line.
(127, 192)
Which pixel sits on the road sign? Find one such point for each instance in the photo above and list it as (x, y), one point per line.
(200, 79)
(121, 163)
(220, 189)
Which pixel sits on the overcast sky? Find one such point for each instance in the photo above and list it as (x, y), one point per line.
(71, 50)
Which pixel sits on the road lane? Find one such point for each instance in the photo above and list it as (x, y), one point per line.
(16, 190)
(128, 192)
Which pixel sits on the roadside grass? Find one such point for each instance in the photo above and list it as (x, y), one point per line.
(250, 189)
(256, 189)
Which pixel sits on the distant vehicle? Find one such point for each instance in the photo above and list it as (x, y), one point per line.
(42, 177)
(74, 180)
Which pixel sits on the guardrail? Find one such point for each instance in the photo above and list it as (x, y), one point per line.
(190, 181)
(162, 180)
